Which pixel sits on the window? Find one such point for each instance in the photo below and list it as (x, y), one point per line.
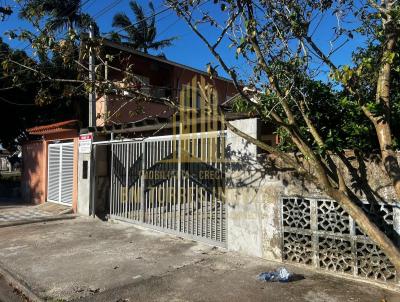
(142, 83)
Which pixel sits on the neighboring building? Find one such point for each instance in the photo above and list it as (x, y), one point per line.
(49, 164)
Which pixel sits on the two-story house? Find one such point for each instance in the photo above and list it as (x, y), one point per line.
(46, 159)
(156, 77)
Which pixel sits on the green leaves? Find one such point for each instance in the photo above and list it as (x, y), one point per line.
(141, 34)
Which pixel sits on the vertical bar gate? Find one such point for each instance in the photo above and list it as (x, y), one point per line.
(172, 183)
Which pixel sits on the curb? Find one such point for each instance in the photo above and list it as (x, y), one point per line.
(20, 285)
(37, 220)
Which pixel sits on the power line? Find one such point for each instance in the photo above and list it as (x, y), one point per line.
(107, 8)
(168, 27)
(93, 2)
(43, 31)
(146, 18)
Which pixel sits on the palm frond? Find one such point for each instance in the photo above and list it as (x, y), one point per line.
(57, 24)
(114, 36)
(142, 32)
(139, 15)
(162, 43)
(151, 33)
(151, 30)
(84, 21)
(151, 26)
(121, 20)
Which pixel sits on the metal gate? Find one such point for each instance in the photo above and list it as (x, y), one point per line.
(171, 183)
(60, 173)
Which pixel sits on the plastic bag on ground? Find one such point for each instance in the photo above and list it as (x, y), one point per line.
(280, 275)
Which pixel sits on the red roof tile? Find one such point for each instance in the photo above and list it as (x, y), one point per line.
(56, 127)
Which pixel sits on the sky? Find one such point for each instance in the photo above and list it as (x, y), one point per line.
(187, 49)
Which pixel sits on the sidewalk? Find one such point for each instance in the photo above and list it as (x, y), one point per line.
(17, 213)
(7, 293)
(21, 213)
(89, 260)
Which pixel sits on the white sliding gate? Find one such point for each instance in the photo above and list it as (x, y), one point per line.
(171, 183)
(60, 173)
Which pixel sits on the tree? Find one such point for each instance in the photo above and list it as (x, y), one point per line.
(19, 98)
(277, 39)
(59, 14)
(142, 33)
(5, 11)
(48, 87)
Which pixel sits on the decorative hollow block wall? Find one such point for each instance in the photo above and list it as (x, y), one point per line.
(319, 233)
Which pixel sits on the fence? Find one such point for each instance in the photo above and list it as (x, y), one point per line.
(172, 183)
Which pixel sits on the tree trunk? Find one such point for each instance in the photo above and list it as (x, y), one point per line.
(369, 228)
(382, 122)
(389, 156)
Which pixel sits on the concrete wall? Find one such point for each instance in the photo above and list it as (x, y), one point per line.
(251, 196)
(98, 174)
(254, 188)
(84, 206)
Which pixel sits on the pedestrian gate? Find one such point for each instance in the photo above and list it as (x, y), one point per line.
(171, 183)
(60, 173)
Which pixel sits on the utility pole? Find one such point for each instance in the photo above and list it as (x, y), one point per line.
(92, 78)
(105, 113)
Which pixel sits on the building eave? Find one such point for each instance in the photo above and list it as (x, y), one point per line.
(122, 47)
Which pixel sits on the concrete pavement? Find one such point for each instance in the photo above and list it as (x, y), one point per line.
(16, 213)
(89, 260)
(7, 293)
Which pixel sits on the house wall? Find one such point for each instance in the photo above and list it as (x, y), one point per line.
(160, 75)
(33, 187)
(122, 110)
(225, 89)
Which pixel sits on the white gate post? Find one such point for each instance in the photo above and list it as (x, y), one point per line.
(179, 179)
(142, 182)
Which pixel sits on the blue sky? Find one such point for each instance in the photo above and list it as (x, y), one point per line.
(187, 49)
